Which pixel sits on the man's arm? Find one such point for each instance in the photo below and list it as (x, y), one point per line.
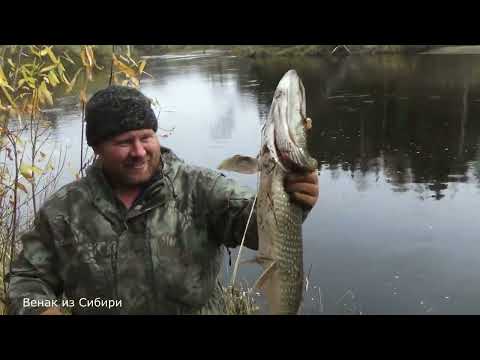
(232, 205)
(33, 274)
(229, 207)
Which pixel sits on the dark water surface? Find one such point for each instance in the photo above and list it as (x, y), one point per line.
(396, 228)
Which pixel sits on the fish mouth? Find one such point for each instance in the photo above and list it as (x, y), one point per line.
(294, 158)
(286, 131)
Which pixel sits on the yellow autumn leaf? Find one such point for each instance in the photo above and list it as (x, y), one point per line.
(28, 171)
(49, 166)
(37, 97)
(131, 60)
(68, 58)
(83, 57)
(47, 68)
(37, 171)
(52, 56)
(22, 187)
(27, 76)
(61, 68)
(65, 79)
(7, 86)
(89, 54)
(122, 67)
(33, 51)
(26, 93)
(2, 76)
(141, 66)
(44, 51)
(71, 84)
(11, 63)
(19, 141)
(21, 82)
(124, 58)
(44, 94)
(31, 104)
(115, 79)
(98, 66)
(53, 78)
(89, 73)
(7, 95)
(83, 96)
(135, 82)
(92, 56)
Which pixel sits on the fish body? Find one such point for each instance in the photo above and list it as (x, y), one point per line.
(279, 220)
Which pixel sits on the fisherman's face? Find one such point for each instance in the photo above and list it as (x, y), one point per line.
(131, 158)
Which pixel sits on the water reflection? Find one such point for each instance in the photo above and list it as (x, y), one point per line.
(222, 128)
(407, 117)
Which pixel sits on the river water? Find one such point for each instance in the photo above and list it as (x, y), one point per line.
(397, 139)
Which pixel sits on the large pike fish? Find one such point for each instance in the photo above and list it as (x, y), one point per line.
(283, 151)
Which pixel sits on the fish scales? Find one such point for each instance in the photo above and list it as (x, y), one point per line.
(280, 227)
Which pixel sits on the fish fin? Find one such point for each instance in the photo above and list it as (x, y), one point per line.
(266, 273)
(249, 261)
(241, 164)
(260, 260)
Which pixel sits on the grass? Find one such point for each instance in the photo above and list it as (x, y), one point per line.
(239, 301)
(228, 300)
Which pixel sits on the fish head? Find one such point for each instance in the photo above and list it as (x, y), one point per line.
(285, 130)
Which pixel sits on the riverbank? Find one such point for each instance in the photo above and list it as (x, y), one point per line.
(103, 52)
(455, 50)
(265, 51)
(343, 50)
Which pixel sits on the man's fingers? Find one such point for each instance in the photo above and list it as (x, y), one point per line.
(305, 188)
(303, 178)
(304, 199)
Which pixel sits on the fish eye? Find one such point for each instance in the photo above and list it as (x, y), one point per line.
(307, 123)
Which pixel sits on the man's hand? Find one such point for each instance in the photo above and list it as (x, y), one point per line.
(303, 188)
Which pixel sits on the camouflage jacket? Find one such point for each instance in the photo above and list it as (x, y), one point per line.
(161, 256)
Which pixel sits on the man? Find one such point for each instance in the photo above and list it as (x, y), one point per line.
(142, 232)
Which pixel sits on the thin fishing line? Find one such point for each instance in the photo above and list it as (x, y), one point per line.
(237, 261)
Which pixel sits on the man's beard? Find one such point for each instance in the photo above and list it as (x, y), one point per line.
(127, 176)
